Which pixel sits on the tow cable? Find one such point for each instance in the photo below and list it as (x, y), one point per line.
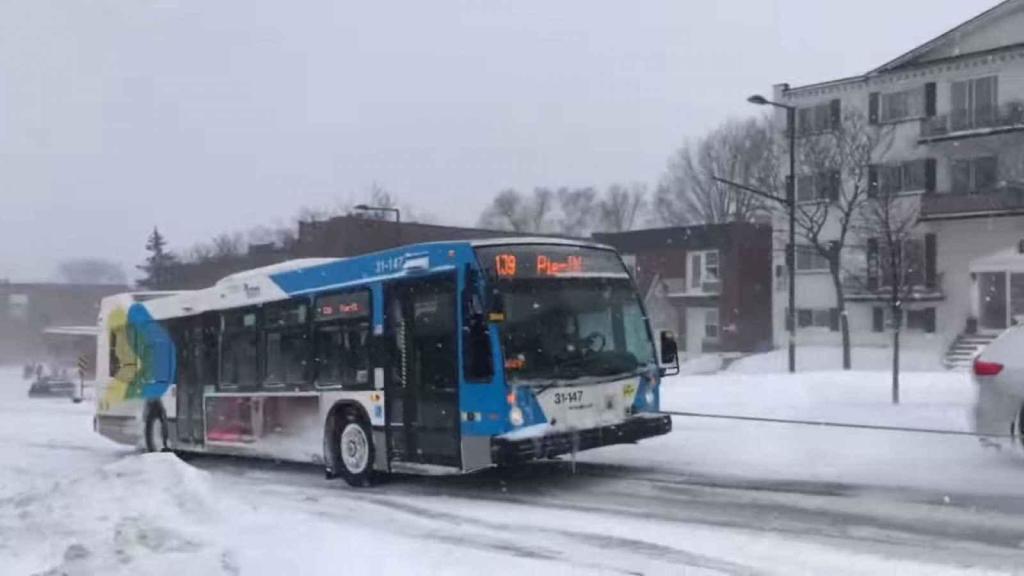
(828, 424)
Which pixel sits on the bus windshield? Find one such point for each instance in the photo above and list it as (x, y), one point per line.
(571, 312)
(573, 328)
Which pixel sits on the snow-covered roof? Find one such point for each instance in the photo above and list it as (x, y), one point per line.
(287, 266)
(536, 240)
(953, 37)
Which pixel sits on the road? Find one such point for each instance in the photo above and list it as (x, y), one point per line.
(500, 510)
(623, 510)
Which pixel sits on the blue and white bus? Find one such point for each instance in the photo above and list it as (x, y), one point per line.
(433, 358)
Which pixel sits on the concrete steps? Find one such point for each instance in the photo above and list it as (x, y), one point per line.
(962, 351)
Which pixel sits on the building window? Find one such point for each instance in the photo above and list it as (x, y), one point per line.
(903, 177)
(902, 105)
(974, 103)
(818, 186)
(17, 306)
(819, 118)
(910, 263)
(975, 175)
(815, 318)
(922, 319)
(704, 271)
(808, 259)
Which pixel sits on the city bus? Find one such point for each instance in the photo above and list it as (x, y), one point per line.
(435, 358)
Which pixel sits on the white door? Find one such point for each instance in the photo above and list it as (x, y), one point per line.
(698, 321)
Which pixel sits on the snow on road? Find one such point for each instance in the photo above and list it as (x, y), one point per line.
(712, 498)
(934, 400)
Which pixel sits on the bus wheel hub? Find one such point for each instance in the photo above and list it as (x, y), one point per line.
(354, 447)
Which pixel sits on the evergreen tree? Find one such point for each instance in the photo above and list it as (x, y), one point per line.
(158, 263)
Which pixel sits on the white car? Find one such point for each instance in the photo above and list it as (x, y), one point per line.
(999, 375)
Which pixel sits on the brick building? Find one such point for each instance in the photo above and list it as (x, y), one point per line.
(710, 284)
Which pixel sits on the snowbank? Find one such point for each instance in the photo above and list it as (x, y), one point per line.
(154, 514)
(148, 514)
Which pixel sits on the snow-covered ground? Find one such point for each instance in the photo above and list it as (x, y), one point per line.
(713, 497)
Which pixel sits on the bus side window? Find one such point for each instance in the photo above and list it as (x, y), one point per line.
(239, 349)
(115, 362)
(476, 341)
(286, 344)
(341, 340)
(343, 354)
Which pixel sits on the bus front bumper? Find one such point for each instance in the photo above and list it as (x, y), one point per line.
(508, 451)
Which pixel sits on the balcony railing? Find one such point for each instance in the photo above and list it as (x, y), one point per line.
(974, 121)
(1000, 201)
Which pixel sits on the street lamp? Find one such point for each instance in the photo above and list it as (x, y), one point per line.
(791, 206)
(366, 208)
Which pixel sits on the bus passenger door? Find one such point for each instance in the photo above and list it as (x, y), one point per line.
(194, 351)
(423, 413)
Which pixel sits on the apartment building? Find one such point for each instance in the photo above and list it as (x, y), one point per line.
(954, 108)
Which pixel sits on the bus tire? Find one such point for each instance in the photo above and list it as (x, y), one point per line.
(156, 429)
(352, 450)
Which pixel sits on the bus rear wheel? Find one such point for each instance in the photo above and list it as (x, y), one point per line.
(353, 449)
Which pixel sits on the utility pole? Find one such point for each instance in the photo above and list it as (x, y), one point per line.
(789, 202)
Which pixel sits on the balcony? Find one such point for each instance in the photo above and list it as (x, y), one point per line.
(1003, 201)
(974, 122)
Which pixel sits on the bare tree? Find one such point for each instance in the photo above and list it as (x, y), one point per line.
(620, 207)
(579, 210)
(315, 214)
(199, 252)
(280, 236)
(91, 271)
(742, 151)
(512, 210)
(505, 212)
(831, 189)
(377, 197)
(227, 245)
(888, 221)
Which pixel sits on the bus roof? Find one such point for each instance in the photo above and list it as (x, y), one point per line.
(309, 275)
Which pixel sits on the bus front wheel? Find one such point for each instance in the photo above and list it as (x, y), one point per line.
(353, 449)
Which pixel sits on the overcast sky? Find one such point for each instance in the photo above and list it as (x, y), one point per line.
(207, 116)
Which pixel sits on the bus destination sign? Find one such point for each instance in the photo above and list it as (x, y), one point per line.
(511, 262)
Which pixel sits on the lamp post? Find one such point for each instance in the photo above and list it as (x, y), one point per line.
(791, 206)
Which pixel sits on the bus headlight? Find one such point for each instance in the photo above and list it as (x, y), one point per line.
(515, 416)
(649, 397)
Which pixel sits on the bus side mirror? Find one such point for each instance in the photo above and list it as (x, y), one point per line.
(669, 354)
(477, 348)
(496, 313)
